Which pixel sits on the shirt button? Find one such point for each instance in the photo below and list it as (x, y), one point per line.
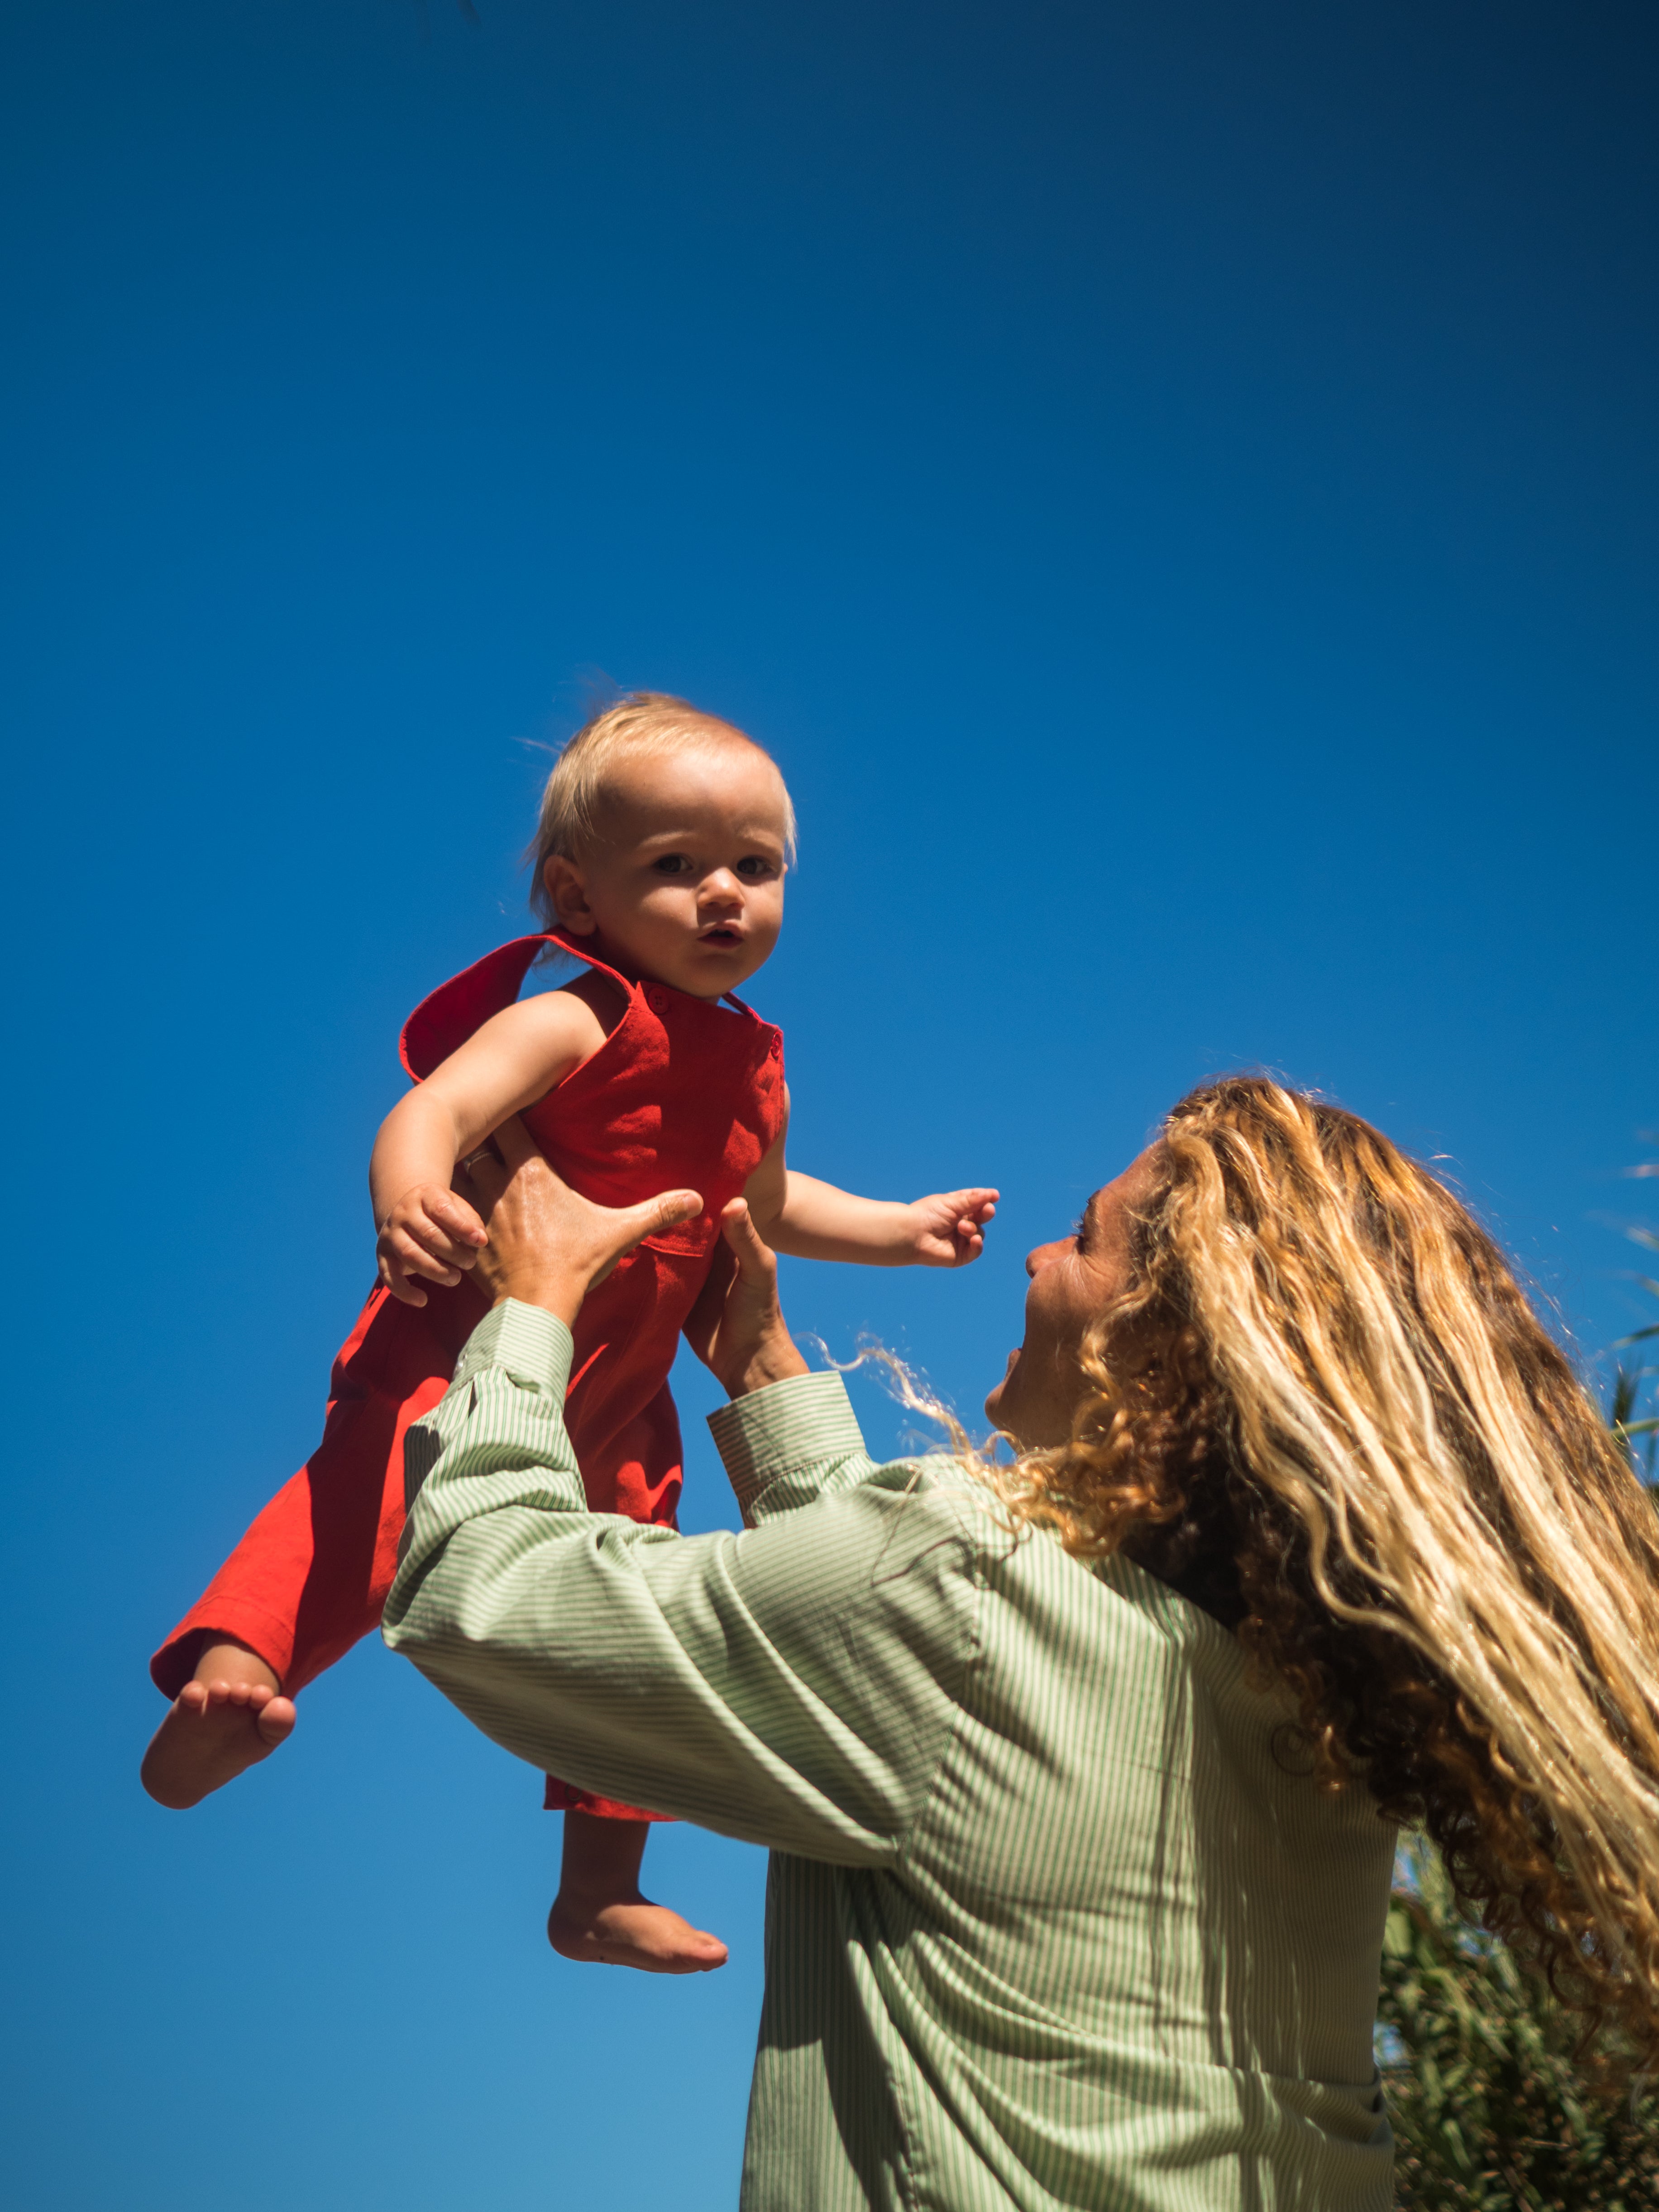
(775, 1050)
(655, 998)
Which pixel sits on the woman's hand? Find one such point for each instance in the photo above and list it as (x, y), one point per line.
(737, 1327)
(548, 1245)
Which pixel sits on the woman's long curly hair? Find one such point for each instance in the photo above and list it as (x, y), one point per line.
(1325, 1407)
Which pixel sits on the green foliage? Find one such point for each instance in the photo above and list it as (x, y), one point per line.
(1632, 1385)
(1492, 2111)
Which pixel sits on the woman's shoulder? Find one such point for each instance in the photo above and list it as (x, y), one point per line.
(1113, 1595)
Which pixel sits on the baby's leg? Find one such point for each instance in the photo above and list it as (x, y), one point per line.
(228, 1716)
(599, 1914)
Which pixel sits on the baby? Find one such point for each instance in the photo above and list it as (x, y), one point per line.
(664, 837)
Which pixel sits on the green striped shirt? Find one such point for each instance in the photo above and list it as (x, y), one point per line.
(1048, 1924)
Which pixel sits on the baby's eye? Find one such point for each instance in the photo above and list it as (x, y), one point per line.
(754, 867)
(671, 864)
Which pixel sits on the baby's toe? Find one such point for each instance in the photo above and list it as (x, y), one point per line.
(275, 1716)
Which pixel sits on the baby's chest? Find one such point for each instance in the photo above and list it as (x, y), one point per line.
(637, 1133)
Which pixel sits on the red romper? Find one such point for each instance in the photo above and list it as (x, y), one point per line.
(683, 1094)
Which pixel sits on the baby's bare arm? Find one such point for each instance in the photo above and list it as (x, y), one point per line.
(426, 1232)
(817, 1221)
(812, 1220)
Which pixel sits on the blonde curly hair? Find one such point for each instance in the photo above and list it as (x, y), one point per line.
(1325, 1407)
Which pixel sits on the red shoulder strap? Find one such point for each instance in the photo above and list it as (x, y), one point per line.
(448, 1016)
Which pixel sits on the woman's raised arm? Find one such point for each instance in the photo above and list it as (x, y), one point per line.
(795, 1685)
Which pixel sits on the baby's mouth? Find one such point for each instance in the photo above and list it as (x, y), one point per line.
(721, 936)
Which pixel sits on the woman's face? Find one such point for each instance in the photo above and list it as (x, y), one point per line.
(1070, 1280)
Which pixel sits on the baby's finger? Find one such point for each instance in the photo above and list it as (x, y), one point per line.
(440, 1250)
(981, 1204)
(413, 1258)
(395, 1277)
(437, 1243)
(450, 1213)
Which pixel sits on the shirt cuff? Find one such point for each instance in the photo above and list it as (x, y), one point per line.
(533, 1345)
(788, 1426)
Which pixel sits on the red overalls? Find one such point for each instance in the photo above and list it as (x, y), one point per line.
(683, 1094)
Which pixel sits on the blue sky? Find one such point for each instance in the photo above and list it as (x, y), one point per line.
(1176, 488)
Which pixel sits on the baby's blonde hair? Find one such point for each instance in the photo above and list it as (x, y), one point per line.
(641, 725)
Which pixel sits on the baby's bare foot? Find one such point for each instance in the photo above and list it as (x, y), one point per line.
(632, 1932)
(599, 1915)
(229, 1718)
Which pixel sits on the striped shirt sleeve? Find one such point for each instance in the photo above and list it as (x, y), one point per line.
(793, 1685)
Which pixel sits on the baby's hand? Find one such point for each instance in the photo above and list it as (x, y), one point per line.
(948, 1227)
(429, 1235)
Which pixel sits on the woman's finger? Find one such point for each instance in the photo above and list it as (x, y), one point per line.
(753, 1255)
(514, 1143)
(488, 1171)
(482, 1178)
(632, 1223)
(671, 1207)
(652, 1215)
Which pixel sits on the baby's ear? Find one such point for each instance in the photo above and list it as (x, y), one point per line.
(568, 893)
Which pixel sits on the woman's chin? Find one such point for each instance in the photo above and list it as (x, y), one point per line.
(994, 1403)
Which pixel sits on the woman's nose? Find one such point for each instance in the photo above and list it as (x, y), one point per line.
(1044, 1255)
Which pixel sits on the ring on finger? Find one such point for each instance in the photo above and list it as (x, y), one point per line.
(485, 1152)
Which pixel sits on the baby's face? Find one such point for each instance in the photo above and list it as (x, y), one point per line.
(684, 882)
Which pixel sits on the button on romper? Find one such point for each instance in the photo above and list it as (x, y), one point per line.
(683, 1094)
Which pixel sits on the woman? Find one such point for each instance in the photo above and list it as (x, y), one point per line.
(1082, 1774)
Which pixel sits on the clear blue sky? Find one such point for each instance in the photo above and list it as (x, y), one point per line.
(1174, 484)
